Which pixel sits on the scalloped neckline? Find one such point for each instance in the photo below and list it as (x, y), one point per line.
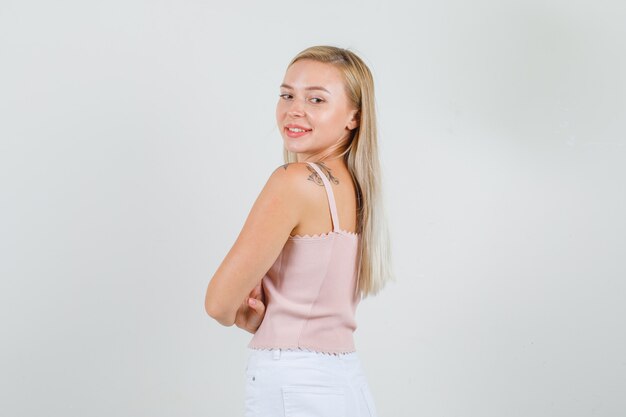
(324, 235)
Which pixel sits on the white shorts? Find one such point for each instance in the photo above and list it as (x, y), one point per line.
(303, 383)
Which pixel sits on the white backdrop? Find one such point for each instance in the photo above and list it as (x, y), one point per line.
(135, 136)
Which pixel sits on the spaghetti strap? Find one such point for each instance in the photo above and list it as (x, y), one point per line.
(331, 197)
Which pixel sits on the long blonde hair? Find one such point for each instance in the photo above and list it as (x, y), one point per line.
(361, 157)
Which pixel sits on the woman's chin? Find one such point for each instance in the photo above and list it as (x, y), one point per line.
(293, 145)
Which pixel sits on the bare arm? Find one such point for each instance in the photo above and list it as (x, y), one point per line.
(252, 310)
(275, 213)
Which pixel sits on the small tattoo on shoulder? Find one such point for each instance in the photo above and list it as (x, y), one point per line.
(317, 179)
(314, 176)
(329, 173)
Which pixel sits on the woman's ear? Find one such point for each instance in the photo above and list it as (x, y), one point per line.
(354, 122)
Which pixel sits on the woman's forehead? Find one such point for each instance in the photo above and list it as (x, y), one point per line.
(309, 74)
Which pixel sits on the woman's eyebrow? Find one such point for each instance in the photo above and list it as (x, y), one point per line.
(314, 87)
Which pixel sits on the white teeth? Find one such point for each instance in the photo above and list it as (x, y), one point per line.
(295, 129)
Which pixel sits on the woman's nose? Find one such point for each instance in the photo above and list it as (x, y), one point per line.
(296, 108)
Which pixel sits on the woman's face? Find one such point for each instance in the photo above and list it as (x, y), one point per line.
(313, 98)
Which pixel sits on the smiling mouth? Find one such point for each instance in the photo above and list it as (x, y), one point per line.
(296, 132)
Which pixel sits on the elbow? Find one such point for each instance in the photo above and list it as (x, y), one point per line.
(220, 314)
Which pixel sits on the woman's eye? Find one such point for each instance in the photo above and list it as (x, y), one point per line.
(287, 96)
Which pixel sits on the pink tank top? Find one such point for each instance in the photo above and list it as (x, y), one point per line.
(310, 291)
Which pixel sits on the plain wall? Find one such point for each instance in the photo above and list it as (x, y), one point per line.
(135, 136)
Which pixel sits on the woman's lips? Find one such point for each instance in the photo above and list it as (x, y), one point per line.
(295, 134)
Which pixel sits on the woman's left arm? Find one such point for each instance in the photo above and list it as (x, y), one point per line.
(252, 310)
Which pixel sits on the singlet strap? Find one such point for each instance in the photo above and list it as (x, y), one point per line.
(331, 196)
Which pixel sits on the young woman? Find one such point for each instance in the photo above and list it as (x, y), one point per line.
(314, 244)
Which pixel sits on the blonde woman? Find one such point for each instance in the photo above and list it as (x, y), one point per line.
(314, 244)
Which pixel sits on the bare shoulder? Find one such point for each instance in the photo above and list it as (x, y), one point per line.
(294, 179)
(292, 170)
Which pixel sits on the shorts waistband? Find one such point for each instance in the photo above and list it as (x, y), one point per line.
(294, 354)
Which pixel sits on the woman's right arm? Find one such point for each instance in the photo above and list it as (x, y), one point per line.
(274, 215)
